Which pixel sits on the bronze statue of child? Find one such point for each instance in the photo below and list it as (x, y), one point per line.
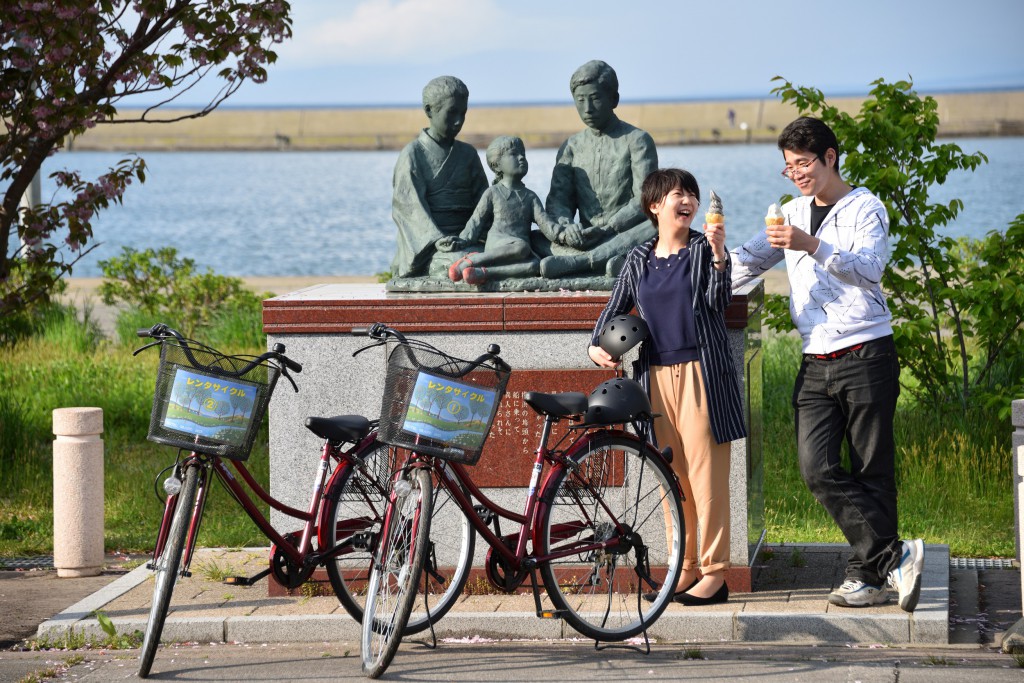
(506, 213)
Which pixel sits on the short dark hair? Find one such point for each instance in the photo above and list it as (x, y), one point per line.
(658, 184)
(808, 134)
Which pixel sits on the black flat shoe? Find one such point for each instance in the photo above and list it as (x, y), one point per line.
(651, 597)
(720, 596)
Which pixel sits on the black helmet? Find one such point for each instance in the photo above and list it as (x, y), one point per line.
(617, 400)
(622, 333)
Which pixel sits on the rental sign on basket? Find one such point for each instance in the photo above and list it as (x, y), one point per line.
(450, 411)
(215, 407)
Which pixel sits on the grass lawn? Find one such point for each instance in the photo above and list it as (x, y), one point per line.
(954, 471)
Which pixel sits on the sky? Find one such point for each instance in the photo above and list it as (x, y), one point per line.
(382, 52)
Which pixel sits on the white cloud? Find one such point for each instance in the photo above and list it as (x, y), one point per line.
(393, 31)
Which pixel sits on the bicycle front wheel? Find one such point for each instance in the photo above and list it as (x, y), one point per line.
(355, 512)
(623, 493)
(167, 567)
(398, 562)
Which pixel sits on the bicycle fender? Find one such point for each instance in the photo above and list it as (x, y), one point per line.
(331, 489)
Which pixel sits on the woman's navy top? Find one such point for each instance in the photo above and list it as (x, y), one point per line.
(666, 295)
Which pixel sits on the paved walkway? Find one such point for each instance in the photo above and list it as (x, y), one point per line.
(789, 605)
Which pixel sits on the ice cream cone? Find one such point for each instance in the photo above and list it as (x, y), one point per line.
(774, 216)
(715, 212)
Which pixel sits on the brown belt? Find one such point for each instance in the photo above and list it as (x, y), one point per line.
(834, 354)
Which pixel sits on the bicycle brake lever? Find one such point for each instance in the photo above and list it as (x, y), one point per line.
(369, 346)
(284, 373)
(143, 348)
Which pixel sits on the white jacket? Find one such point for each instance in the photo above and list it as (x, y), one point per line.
(836, 298)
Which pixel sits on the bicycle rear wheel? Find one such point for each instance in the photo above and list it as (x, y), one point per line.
(356, 503)
(621, 491)
(167, 566)
(397, 565)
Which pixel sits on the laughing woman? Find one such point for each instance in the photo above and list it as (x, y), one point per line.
(680, 284)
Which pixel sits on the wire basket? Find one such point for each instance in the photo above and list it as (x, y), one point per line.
(207, 406)
(439, 405)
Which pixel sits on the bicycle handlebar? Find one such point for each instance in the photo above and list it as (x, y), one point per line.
(381, 332)
(162, 332)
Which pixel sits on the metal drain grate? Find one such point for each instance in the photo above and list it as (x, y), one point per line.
(982, 563)
(40, 562)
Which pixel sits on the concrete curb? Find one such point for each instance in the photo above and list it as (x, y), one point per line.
(738, 621)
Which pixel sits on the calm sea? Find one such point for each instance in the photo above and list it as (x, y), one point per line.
(329, 213)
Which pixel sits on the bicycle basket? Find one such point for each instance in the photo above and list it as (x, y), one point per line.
(439, 405)
(204, 406)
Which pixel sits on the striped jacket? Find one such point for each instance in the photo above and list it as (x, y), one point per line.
(712, 292)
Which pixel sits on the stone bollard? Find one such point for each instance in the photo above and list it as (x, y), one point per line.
(78, 492)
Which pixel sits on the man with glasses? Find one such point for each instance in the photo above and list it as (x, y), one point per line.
(835, 241)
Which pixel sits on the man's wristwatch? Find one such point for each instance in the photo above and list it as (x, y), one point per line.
(716, 261)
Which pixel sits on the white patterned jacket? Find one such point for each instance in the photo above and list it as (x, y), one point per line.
(836, 298)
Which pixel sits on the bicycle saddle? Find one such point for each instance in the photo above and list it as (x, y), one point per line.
(559, 405)
(618, 400)
(350, 428)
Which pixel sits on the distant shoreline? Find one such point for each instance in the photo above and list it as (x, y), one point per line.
(984, 113)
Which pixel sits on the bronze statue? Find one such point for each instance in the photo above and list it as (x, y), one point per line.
(506, 214)
(598, 174)
(437, 184)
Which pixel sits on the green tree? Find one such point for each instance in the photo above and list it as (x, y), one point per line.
(958, 304)
(66, 67)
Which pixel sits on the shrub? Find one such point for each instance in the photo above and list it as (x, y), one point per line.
(161, 287)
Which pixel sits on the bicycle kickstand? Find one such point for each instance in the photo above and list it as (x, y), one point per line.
(646, 649)
(430, 568)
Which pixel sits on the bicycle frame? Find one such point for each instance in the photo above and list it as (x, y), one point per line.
(528, 529)
(313, 518)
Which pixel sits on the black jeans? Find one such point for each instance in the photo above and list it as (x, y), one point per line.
(853, 397)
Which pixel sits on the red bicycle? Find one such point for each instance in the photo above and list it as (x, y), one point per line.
(210, 405)
(604, 526)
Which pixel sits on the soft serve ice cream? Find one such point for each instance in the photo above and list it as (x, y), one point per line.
(715, 214)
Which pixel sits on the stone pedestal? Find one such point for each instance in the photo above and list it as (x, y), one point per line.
(543, 336)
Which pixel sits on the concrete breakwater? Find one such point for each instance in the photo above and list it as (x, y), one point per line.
(541, 126)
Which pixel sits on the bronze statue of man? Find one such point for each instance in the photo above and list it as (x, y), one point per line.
(437, 184)
(598, 174)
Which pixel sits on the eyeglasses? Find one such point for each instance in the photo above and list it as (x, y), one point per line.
(800, 169)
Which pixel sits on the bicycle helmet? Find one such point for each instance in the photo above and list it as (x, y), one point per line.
(622, 333)
(617, 400)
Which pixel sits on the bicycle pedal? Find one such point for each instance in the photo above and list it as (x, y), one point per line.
(362, 540)
(485, 514)
(245, 580)
(551, 613)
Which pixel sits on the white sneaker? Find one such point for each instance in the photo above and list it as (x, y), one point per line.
(906, 578)
(856, 593)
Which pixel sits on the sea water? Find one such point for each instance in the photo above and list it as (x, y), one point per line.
(329, 213)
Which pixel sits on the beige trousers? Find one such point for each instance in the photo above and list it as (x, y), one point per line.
(702, 465)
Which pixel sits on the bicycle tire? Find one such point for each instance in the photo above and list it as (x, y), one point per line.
(398, 563)
(355, 505)
(600, 593)
(167, 568)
